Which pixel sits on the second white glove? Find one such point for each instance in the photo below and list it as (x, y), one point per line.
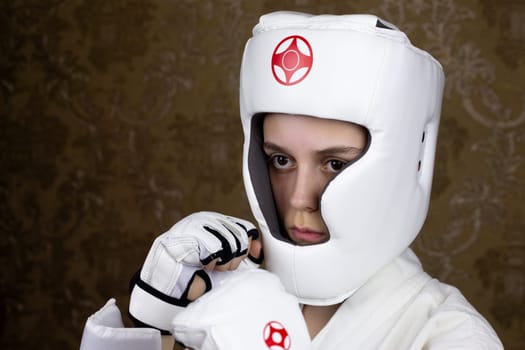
(248, 310)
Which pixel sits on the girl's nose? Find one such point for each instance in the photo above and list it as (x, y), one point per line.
(306, 191)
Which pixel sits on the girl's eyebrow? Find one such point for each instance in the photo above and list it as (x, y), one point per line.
(272, 147)
(339, 150)
(343, 149)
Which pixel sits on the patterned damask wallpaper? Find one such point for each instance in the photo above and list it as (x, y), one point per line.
(119, 117)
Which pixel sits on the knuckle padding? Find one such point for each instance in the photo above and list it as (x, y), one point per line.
(225, 254)
(239, 251)
(242, 226)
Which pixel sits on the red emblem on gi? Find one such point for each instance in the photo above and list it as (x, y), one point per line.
(276, 336)
(292, 60)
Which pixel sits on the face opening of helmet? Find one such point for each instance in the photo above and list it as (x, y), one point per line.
(292, 159)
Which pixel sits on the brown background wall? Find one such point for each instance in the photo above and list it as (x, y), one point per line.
(119, 117)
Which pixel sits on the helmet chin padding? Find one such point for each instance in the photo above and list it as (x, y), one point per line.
(357, 71)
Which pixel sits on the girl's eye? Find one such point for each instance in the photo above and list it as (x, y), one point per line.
(335, 165)
(280, 162)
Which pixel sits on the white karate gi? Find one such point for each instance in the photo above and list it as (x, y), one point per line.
(402, 307)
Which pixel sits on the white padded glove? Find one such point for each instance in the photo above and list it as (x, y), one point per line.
(248, 310)
(104, 330)
(177, 257)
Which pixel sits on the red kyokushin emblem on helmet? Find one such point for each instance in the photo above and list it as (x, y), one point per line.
(276, 336)
(292, 60)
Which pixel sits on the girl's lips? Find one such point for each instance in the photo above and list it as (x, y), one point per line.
(305, 235)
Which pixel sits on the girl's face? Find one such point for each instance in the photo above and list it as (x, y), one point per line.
(304, 154)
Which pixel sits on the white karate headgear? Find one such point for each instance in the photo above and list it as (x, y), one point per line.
(360, 69)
